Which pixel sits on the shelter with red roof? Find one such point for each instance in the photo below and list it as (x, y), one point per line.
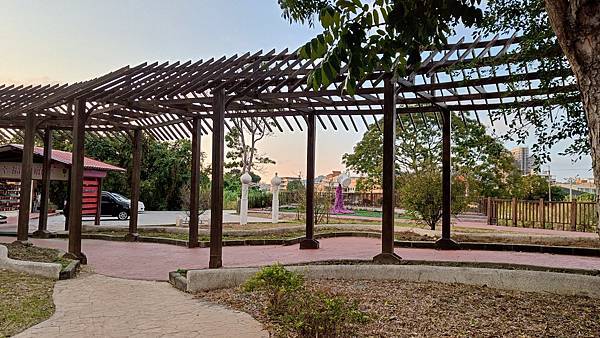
(11, 156)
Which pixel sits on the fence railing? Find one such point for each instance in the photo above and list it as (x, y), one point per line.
(569, 216)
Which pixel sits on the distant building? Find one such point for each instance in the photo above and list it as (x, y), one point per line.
(581, 185)
(285, 180)
(523, 161)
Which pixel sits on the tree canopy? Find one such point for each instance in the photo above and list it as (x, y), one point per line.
(483, 161)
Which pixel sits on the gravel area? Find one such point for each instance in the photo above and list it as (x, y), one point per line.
(429, 309)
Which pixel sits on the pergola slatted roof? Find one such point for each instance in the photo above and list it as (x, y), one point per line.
(162, 98)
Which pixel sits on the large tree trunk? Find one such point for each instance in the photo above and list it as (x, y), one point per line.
(577, 26)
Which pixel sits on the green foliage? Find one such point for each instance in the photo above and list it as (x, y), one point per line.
(548, 125)
(586, 197)
(534, 187)
(301, 312)
(420, 194)
(274, 278)
(363, 36)
(295, 185)
(483, 161)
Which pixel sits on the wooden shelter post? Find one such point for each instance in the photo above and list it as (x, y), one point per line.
(135, 185)
(446, 242)
(387, 255)
(42, 231)
(99, 206)
(216, 191)
(76, 187)
(309, 242)
(195, 184)
(26, 179)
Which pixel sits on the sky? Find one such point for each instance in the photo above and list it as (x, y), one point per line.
(64, 41)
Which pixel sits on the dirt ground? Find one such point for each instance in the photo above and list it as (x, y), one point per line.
(429, 309)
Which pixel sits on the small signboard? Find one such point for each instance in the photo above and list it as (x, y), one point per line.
(12, 171)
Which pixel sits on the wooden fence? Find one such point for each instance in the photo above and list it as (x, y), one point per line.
(569, 216)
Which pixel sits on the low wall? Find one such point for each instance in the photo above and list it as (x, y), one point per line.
(521, 280)
(48, 270)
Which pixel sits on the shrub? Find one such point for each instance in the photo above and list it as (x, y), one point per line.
(300, 312)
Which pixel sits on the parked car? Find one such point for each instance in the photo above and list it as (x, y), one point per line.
(113, 205)
(141, 206)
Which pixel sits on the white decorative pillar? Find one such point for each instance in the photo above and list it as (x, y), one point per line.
(246, 179)
(275, 183)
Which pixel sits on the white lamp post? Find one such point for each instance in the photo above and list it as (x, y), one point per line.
(246, 179)
(275, 183)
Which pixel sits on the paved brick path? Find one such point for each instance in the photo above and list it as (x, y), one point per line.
(153, 261)
(100, 306)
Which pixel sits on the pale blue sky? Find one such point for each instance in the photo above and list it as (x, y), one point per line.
(67, 41)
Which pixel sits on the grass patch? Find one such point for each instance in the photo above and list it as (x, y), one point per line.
(36, 254)
(25, 300)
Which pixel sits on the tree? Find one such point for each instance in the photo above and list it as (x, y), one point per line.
(534, 187)
(387, 34)
(242, 140)
(421, 194)
(486, 165)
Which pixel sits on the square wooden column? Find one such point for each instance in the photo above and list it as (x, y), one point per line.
(195, 184)
(387, 255)
(26, 179)
(42, 231)
(136, 168)
(76, 182)
(216, 189)
(309, 242)
(446, 242)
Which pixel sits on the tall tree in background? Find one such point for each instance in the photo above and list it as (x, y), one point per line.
(242, 142)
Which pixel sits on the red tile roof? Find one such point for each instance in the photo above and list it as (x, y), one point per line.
(65, 158)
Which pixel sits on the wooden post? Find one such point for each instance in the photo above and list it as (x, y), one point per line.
(216, 191)
(99, 206)
(488, 210)
(574, 215)
(309, 241)
(76, 188)
(446, 242)
(42, 231)
(513, 209)
(387, 255)
(136, 168)
(67, 206)
(542, 214)
(195, 184)
(26, 179)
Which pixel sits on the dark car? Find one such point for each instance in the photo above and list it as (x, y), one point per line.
(111, 205)
(114, 205)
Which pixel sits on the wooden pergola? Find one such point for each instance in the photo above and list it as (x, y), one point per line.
(181, 100)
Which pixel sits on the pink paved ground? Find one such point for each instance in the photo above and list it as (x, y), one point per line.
(154, 261)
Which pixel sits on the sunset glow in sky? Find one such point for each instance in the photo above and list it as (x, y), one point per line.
(67, 41)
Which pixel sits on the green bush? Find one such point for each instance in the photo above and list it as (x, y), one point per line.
(300, 312)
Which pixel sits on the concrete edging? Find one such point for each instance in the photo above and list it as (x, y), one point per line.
(48, 270)
(520, 280)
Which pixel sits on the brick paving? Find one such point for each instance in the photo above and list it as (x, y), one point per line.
(151, 261)
(100, 306)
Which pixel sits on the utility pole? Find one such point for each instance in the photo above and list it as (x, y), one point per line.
(549, 185)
